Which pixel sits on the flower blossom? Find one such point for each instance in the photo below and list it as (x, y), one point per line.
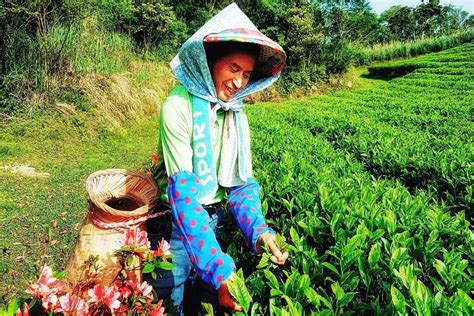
(145, 290)
(154, 159)
(158, 310)
(163, 249)
(104, 295)
(46, 285)
(25, 312)
(72, 304)
(50, 302)
(137, 238)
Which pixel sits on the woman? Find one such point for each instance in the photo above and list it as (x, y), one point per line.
(205, 153)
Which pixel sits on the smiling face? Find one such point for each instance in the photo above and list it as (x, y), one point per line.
(231, 73)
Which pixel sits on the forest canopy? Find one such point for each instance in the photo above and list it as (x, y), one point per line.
(42, 37)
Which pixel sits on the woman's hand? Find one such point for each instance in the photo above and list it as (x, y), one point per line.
(225, 299)
(277, 256)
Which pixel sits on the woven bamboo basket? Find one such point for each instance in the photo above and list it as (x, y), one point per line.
(119, 200)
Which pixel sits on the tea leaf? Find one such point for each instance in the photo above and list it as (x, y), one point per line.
(208, 308)
(264, 261)
(442, 270)
(312, 296)
(338, 291)
(398, 300)
(331, 267)
(374, 255)
(346, 299)
(271, 279)
(240, 292)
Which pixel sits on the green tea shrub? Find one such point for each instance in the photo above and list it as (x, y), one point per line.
(334, 176)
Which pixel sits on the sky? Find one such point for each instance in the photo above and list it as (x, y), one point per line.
(381, 5)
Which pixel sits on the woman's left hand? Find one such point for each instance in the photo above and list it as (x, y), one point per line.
(278, 257)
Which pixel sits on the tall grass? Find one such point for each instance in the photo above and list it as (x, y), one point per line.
(81, 67)
(366, 55)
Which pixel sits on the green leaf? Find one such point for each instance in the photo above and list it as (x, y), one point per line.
(338, 291)
(294, 236)
(374, 255)
(272, 280)
(346, 299)
(125, 248)
(239, 291)
(264, 261)
(165, 265)
(148, 267)
(60, 275)
(331, 267)
(335, 223)
(398, 300)
(442, 270)
(129, 260)
(312, 296)
(295, 308)
(377, 234)
(153, 275)
(349, 258)
(208, 309)
(304, 283)
(12, 306)
(421, 296)
(280, 241)
(275, 292)
(464, 301)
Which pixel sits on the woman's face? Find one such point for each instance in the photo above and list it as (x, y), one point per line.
(231, 73)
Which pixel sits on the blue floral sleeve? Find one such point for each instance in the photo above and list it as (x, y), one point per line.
(245, 205)
(211, 264)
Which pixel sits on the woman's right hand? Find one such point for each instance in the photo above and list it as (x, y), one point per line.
(225, 299)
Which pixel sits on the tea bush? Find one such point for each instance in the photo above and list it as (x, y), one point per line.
(337, 175)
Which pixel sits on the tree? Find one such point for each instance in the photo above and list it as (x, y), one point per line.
(428, 19)
(400, 22)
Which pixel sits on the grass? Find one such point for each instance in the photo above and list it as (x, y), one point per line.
(30, 206)
(366, 55)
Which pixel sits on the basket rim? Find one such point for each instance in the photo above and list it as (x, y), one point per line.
(100, 203)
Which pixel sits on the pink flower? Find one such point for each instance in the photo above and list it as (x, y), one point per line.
(26, 310)
(158, 310)
(71, 304)
(105, 295)
(145, 290)
(163, 249)
(45, 285)
(154, 159)
(137, 238)
(125, 292)
(50, 302)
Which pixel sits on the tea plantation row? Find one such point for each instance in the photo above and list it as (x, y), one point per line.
(411, 129)
(371, 189)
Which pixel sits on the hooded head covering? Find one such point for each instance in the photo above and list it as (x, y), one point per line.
(190, 65)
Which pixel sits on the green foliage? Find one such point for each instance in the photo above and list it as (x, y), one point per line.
(239, 291)
(49, 44)
(10, 309)
(360, 242)
(363, 55)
